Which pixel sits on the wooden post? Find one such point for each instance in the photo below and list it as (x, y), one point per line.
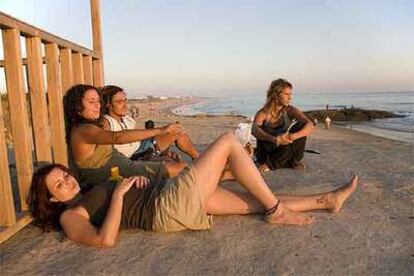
(98, 69)
(38, 99)
(98, 80)
(77, 68)
(7, 214)
(55, 104)
(67, 69)
(18, 111)
(87, 70)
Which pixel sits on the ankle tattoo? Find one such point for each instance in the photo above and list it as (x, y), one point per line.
(320, 200)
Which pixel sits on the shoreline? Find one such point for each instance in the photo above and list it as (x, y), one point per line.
(400, 136)
(359, 126)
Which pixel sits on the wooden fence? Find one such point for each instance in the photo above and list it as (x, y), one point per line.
(41, 136)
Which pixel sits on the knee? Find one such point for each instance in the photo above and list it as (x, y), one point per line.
(228, 137)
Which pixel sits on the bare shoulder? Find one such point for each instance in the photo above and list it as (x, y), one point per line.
(86, 130)
(72, 214)
(74, 219)
(259, 117)
(293, 109)
(105, 123)
(297, 114)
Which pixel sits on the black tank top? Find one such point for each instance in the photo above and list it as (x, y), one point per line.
(138, 207)
(280, 127)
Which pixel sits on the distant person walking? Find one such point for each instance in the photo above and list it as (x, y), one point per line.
(280, 130)
(327, 122)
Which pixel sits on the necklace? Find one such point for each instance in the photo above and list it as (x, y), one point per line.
(123, 126)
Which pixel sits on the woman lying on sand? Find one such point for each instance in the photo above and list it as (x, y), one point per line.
(179, 203)
(91, 145)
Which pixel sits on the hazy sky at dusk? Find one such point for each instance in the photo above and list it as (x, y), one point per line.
(224, 47)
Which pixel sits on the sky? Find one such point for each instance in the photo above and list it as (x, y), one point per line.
(239, 47)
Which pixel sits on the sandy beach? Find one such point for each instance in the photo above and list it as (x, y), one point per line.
(374, 235)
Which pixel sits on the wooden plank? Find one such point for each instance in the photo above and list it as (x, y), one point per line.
(96, 28)
(77, 64)
(10, 231)
(24, 61)
(18, 112)
(27, 30)
(57, 123)
(38, 99)
(87, 70)
(7, 214)
(98, 80)
(98, 67)
(67, 69)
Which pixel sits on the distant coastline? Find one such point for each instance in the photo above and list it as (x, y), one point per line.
(380, 114)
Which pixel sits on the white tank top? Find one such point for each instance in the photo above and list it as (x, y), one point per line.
(127, 123)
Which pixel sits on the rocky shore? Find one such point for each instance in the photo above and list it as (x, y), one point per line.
(350, 114)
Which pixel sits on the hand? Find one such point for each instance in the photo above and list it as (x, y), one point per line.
(141, 182)
(175, 156)
(173, 128)
(126, 184)
(283, 139)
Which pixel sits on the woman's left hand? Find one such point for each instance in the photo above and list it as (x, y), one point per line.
(141, 182)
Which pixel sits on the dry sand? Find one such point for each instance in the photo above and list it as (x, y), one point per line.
(372, 236)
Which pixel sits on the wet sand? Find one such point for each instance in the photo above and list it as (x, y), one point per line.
(372, 236)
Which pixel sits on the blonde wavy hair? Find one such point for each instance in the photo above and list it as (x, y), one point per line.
(272, 97)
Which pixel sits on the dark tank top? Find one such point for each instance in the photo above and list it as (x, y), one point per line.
(138, 208)
(281, 125)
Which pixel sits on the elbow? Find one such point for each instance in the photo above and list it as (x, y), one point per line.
(107, 243)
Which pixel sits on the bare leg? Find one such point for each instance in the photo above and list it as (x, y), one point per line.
(227, 202)
(182, 141)
(209, 168)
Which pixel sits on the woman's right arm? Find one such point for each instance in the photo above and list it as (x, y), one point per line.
(92, 134)
(79, 229)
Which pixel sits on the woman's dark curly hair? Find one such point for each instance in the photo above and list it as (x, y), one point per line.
(108, 92)
(45, 212)
(72, 105)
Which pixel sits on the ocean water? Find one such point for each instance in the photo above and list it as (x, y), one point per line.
(395, 128)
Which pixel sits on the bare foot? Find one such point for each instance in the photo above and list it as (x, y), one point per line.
(340, 195)
(286, 216)
(263, 168)
(298, 165)
(249, 149)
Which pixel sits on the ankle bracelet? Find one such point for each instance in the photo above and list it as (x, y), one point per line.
(273, 209)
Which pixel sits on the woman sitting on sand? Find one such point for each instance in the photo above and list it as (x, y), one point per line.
(277, 145)
(91, 145)
(179, 203)
(117, 118)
